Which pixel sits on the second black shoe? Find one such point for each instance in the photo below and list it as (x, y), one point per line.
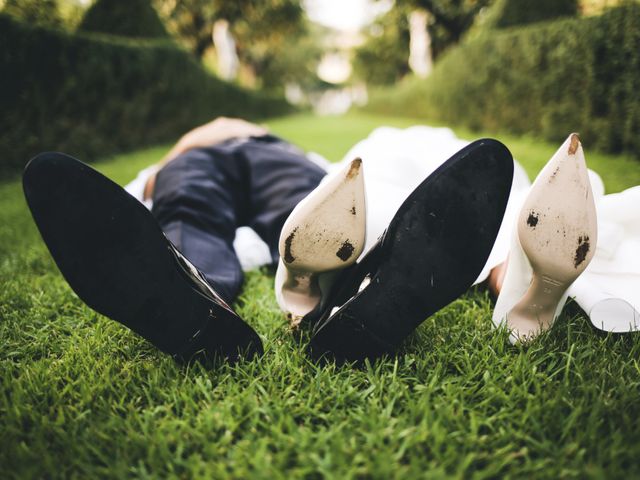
(433, 250)
(116, 258)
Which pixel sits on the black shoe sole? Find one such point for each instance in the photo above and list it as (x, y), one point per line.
(434, 249)
(116, 258)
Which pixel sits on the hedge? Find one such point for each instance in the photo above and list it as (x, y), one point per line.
(548, 79)
(92, 95)
(132, 18)
(508, 13)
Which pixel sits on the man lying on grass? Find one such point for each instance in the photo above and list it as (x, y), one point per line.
(361, 272)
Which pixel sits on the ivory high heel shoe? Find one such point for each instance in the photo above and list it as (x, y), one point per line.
(324, 233)
(554, 241)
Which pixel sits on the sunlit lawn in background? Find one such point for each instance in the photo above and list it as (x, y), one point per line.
(82, 396)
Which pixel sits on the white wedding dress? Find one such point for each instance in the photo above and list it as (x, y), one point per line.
(398, 160)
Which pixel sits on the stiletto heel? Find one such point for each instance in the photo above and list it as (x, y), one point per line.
(556, 238)
(324, 233)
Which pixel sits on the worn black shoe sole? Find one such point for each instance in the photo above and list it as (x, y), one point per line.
(116, 258)
(434, 249)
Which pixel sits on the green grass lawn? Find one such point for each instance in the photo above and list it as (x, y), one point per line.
(82, 396)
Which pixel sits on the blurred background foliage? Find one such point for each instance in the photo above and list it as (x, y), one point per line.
(273, 39)
(133, 18)
(545, 68)
(48, 13)
(507, 13)
(92, 92)
(526, 67)
(382, 58)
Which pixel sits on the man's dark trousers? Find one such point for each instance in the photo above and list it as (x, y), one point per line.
(202, 196)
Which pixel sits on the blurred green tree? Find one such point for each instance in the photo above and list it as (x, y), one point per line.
(130, 18)
(450, 19)
(250, 21)
(35, 12)
(291, 61)
(191, 21)
(268, 34)
(383, 58)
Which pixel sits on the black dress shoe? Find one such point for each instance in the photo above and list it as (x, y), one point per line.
(433, 250)
(114, 255)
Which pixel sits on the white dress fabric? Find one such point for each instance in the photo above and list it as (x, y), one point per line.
(396, 161)
(609, 289)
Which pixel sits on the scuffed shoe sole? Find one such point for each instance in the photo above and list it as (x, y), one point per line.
(114, 255)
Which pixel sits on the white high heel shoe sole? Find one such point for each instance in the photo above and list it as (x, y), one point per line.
(554, 241)
(324, 233)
